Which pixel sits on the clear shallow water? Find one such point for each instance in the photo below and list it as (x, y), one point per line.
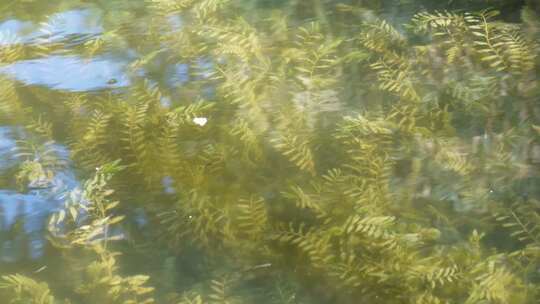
(269, 151)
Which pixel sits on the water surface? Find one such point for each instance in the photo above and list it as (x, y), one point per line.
(252, 151)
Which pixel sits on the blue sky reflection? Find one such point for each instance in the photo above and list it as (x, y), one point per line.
(69, 73)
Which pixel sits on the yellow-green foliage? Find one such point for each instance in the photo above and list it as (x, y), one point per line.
(27, 290)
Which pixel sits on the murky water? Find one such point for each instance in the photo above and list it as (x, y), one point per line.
(252, 151)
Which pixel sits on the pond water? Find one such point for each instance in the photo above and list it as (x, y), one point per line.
(260, 151)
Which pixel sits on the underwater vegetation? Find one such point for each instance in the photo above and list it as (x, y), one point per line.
(304, 152)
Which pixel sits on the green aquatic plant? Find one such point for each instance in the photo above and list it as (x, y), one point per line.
(27, 290)
(302, 159)
(88, 222)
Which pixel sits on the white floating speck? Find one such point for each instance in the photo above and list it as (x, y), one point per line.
(201, 121)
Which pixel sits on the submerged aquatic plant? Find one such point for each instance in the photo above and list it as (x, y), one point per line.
(295, 158)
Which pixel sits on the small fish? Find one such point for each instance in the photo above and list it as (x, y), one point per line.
(40, 183)
(41, 269)
(265, 265)
(260, 266)
(112, 81)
